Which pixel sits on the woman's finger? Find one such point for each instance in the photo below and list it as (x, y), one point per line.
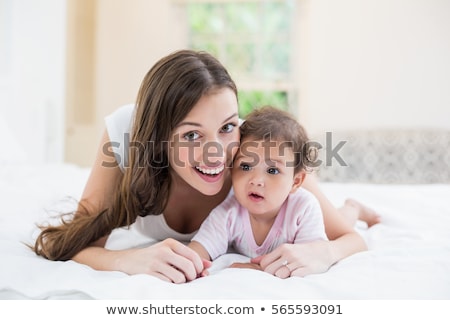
(165, 271)
(266, 261)
(159, 276)
(283, 272)
(184, 266)
(301, 272)
(175, 261)
(187, 253)
(206, 263)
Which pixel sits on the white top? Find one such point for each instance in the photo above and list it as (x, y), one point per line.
(156, 227)
(228, 226)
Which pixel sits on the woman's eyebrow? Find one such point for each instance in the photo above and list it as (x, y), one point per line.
(230, 117)
(196, 124)
(188, 123)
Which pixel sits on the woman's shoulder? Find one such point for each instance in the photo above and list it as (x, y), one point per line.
(118, 125)
(121, 116)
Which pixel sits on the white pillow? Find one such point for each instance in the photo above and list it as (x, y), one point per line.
(11, 152)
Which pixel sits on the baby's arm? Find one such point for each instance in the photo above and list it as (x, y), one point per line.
(246, 265)
(201, 251)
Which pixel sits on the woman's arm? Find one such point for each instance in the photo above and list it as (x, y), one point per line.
(103, 180)
(98, 193)
(168, 260)
(344, 239)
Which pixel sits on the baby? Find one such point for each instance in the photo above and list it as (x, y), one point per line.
(266, 207)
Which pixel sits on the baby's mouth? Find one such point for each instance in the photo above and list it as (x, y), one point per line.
(255, 196)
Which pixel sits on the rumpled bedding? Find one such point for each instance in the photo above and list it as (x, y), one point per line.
(408, 256)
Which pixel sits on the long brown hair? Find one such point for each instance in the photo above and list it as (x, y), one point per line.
(167, 94)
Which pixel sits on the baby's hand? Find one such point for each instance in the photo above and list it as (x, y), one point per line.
(246, 265)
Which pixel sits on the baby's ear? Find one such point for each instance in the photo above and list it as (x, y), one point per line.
(298, 180)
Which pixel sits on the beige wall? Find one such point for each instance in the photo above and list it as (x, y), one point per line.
(80, 121)
(114, 43)
(362, 63)
(375, 63)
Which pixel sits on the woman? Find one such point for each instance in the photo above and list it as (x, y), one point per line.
(184, 134)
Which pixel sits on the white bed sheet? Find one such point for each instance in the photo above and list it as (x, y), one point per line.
(408, 256)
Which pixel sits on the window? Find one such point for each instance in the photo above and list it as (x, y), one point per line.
(254, 40)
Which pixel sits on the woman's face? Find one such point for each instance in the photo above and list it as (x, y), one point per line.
(203, 145)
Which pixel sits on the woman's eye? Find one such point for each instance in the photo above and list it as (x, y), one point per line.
(228, 128)
(273, 171)
(191, 136)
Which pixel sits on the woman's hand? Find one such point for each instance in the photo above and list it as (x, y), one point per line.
(168, 260)
(297, 259)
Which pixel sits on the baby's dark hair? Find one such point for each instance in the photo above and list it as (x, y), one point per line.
(271, 124)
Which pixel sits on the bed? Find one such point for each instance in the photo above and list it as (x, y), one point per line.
(408, 256)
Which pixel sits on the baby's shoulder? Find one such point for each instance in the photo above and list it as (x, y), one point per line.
(302, 196)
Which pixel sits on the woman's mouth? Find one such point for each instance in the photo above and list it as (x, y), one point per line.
(210, 174)
(211, 171)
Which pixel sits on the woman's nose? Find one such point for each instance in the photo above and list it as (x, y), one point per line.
(213, 153)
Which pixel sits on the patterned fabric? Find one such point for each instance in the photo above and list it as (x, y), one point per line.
(385, 156)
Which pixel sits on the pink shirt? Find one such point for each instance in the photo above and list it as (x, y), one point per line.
(228, 226)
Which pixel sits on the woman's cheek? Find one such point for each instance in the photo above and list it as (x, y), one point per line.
(232, 148)
(183, 157)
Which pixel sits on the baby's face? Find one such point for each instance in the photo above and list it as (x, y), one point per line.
(263, 175)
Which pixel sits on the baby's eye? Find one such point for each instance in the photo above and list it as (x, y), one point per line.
(229, 127)
(191, 136)
(273, 171)
(245, 167)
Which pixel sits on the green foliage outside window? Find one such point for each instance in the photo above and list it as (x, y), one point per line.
(252, 39)
(249, 100)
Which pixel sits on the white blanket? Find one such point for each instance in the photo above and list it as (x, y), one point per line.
(408, 256)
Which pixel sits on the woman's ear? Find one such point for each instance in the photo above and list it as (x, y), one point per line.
(298, 180)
